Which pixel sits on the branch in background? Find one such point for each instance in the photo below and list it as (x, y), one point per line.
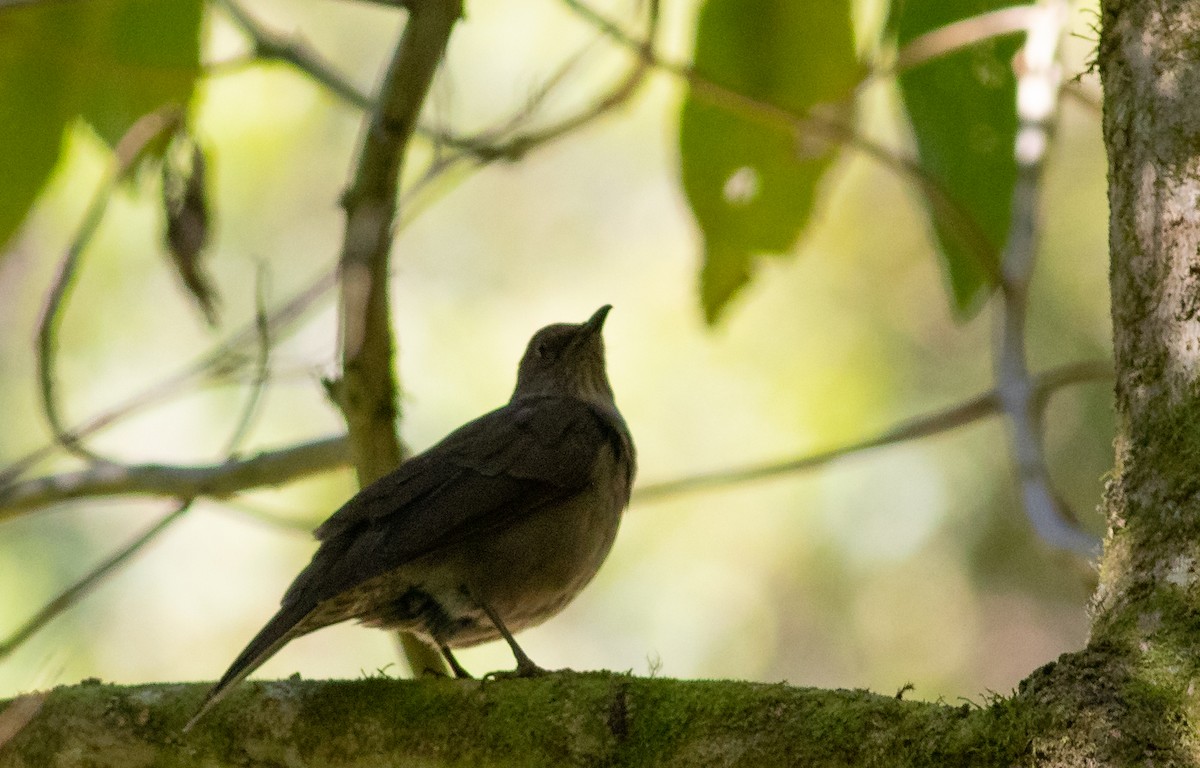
(493, 144)
(129, 150)
(963, 33)
(979, 407)
(218, 480)
(481, 148)
(810, 124)
(1037, 98)
(500, 143)
(282, 466)
(81, 588)
(1039, 79)
(295, 51)
(366, 391)
(262, 369)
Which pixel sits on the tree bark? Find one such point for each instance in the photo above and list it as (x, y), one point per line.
(1130, 698)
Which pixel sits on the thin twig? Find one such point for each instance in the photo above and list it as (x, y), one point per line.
(478, 147)
(79, 589)
(1039, 79)
(262, 366)
(490, 145)
(974, 409)
(812, 122)
(226, 356)
(218, 480)
(963, 33)
(129, 151)
(298, 53)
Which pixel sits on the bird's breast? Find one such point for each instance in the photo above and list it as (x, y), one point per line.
(530, 570)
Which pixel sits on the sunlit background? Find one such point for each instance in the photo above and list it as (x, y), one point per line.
(906, 564)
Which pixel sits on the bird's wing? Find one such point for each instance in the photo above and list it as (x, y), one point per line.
(504, 464)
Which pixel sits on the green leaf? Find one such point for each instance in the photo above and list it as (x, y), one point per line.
(752, 184)
(963, 111)
(109, 61)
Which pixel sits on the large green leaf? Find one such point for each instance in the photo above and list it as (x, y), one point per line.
(109, 61)
(752, 184)
(963, 111)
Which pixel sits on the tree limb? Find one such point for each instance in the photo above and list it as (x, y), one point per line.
(366, 393)
(597, 718)
(217, 480)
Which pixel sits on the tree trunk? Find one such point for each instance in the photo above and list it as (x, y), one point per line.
(1130, 698)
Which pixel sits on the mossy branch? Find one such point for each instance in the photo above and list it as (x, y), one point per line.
(563, 719)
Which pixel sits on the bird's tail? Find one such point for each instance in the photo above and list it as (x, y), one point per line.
(283, 627)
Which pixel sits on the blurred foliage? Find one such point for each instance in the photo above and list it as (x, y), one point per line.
(106, 61)
(911, 563)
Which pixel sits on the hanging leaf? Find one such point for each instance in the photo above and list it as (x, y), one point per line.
(185, 203)
(962, 106)
(752, 185)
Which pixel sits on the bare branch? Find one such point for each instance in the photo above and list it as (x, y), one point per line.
(277, 467)
(1038, 86)
(214, 480)
(262, 367)
(494, 144)
(978, 407)
(490, 145)
(366, 392)
(962, 33)
(129, 150)
(480, 148)
(297, 52)
(79, 589)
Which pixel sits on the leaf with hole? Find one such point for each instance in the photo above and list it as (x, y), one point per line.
(752, 182)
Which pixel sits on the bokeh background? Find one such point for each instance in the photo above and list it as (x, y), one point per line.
(906, 564)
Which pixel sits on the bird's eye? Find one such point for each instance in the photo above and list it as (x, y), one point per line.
(542, 350)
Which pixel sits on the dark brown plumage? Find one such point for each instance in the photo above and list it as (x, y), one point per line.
(494, 529)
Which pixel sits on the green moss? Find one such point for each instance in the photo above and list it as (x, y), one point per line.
(598, 719)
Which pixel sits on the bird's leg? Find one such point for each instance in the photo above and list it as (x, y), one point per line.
(525, 665)
(459, 671)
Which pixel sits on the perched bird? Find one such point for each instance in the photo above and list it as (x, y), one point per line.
(494, 529)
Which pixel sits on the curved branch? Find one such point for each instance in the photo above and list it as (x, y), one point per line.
(1039, 85)
(129, 150)
(485, 146)
(979, 407)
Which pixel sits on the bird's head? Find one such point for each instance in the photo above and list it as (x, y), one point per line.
(567, 359)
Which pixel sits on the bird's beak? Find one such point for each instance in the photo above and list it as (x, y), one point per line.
(596, 321)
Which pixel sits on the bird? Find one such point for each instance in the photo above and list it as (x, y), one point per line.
(492, 530)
